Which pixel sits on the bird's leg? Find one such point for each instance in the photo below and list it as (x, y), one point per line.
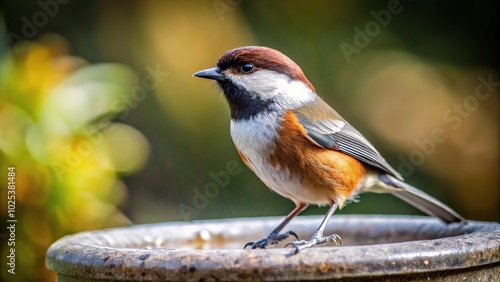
(275, 237)
(318, 237)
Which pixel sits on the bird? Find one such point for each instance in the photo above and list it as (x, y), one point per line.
(299, 146)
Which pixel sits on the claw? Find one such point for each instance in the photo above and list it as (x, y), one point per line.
(248, 244)
(316, 239)
(337, 240)
(295, 243)
(293, 234)
(271, 239)
(261, 244)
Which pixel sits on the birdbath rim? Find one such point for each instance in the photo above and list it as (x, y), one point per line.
(375, 246)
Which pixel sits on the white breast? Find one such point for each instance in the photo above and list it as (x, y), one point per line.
(255, 139)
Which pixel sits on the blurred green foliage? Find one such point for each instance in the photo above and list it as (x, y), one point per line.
(67, 125)
(57, 132)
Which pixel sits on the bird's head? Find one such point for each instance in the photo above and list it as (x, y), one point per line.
(256, 79)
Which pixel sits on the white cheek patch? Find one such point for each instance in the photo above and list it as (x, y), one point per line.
(266, 84)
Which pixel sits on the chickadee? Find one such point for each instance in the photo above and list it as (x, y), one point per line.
(299, 146)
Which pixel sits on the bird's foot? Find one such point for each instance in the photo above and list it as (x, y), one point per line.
(316, 239)
(271, 239)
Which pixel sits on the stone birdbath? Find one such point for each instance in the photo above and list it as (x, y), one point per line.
(375, 248)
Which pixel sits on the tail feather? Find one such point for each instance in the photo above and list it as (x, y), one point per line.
(421, 200)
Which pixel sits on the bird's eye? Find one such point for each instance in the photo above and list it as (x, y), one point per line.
(246, 68)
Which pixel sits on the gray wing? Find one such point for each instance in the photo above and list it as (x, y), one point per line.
(338, 135)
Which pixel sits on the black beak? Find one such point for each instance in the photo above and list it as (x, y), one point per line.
(213, 73)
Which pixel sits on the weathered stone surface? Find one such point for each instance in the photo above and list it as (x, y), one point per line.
(376, 248)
